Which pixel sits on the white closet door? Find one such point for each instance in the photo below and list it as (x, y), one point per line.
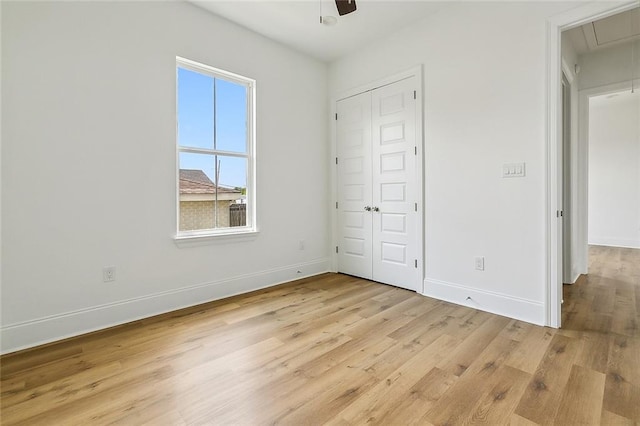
(394, 162)
(353, 134)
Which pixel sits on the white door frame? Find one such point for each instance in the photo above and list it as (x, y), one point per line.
(412, 72)
(555, 25)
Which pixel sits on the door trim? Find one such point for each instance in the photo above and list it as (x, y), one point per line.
(555, 25)
(412, 72)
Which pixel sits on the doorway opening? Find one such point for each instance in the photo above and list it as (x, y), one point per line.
(600, 62)
(614, 169)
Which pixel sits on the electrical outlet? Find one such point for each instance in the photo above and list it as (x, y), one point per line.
(108, 274)
(479, 262)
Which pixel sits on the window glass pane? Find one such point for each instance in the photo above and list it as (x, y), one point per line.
(195, 109)
(232, 190)
(231, 116)
(197, 191)
(213, 119)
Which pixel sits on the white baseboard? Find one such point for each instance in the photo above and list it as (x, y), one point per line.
(27, 334)
(614, 242)
(513, 307)
(573, 278)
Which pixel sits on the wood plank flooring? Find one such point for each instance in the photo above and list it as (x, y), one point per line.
(340, 350)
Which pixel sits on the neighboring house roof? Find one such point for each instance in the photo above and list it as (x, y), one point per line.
(196, 182)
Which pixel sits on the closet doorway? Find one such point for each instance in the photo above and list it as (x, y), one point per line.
(379, 184)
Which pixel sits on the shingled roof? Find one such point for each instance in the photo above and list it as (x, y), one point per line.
(197, 182)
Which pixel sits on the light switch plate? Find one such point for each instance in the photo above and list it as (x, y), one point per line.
(510, 170)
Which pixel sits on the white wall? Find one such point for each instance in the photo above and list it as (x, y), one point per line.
(88, 157)
(602, 72)
(569, 54)
(614, 170)
(484, 99)
(608, 66)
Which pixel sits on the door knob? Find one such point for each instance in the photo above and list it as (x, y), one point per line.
(375, 209)
(367, 208)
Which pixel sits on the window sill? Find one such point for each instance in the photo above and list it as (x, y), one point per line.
(195, 240)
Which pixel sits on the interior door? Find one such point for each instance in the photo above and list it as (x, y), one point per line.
(353, 134)
(565, 123)
(394, 163)
(567, 261)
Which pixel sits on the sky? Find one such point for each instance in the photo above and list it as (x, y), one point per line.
(196, 125)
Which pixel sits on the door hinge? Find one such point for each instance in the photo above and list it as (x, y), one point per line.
(415, 150)
(416, 263)
(414, 95)
(336, 160)
(336, 249)
(416, 206)
(336, 115)
(336, 204)
(559, 213)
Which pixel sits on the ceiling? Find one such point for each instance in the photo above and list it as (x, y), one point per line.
(615, 29)
(297, 23)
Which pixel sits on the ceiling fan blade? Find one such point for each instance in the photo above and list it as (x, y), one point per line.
(345, 6)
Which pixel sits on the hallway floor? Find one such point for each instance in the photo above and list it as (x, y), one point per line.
(601, 314)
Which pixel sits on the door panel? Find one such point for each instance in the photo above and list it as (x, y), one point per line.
(394, 184)
(353, 132)
(377, 188)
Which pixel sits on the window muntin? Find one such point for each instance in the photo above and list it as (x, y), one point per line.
(215, 144)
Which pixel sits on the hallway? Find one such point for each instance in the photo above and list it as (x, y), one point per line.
(602, 312)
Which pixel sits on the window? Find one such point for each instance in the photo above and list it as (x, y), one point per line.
(215, 144)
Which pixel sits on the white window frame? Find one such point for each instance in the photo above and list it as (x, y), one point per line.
(251, 227)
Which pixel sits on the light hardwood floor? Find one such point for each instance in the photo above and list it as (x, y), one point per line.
(340, 350)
